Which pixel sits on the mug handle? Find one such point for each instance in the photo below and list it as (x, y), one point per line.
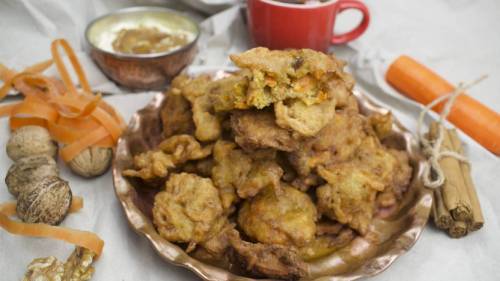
(356, 32)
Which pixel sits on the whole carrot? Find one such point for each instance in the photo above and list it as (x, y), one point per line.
(423, 85)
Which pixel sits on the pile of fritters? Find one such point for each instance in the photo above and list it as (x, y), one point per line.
(272, 166)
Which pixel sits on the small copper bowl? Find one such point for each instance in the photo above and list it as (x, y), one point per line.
(141, 71)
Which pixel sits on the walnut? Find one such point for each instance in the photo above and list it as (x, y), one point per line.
(29, 141)
(92, 162)
(46, 269)
(45, 201)
(78, 267)
(29, 169)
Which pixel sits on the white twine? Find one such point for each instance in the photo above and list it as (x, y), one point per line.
(432, 149)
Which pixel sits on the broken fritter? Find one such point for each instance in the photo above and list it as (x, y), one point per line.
(272, 76)
(390, 166)
(202, 167)
(230, 92)
(238, 175)
(381, 124)
(176, 115)
(336, 142)
(184, 148)
(264, 260)
(150, 165)
(264, 173)
(305, 119)
(170, 153)
(258, 129)
(402, 172)
(189, 210)
(303, 183)
(280, 75)
(325, 244)
(285, 219)
(349, 195)
(218, 245)
(195, 90)
(231, 165)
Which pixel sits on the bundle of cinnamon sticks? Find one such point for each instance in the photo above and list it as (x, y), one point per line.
(456, 206)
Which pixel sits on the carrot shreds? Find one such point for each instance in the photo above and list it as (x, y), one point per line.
(17, 122)
(42, 83)
(4, 90)
(88, 123)
(39, 67)
(80, 238)
(8, 208)
(6, 73)
(71, 151)
(35, 109)
(74, 62)
(108, 122)
(67, 135)
(76, 204)
(84, 239)
(78, 119)
(80, 106)
(6, 110)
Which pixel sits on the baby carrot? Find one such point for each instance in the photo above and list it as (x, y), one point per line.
(421, 84)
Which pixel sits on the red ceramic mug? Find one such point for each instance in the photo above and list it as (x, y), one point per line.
(279, 25)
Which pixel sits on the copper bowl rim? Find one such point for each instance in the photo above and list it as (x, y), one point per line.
(175, 255)
(143, 56)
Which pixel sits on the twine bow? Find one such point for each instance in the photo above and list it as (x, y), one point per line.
(432, 149)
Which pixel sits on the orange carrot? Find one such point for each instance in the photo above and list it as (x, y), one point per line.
(423, 85)
(71, 151)
(39, 67)
(74, 62)
(77, 237)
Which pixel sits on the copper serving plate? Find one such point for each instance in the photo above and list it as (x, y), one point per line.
(361, 258)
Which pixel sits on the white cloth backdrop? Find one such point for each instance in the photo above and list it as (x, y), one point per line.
(457, 38)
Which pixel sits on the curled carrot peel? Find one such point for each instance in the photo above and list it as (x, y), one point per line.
(421, 84)
(39, 67)
(62, 68)
(9, 208)
(84, 239)
(70, 151)
(8, 109)
(77, 118)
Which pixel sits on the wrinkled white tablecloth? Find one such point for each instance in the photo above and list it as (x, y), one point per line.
(457, 38)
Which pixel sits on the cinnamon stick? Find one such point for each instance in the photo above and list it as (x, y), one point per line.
(441, 215)
(454, 192)
(477, 215)
(458, 229)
